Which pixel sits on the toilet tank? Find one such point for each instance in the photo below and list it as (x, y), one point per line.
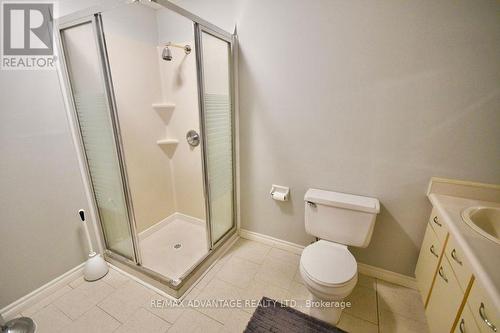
(339, 217)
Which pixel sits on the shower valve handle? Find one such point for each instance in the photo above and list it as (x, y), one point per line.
(193, 138)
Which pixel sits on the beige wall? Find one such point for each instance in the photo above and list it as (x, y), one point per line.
(365, 97)
(131, 38)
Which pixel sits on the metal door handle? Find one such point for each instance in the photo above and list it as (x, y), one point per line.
(485, 319)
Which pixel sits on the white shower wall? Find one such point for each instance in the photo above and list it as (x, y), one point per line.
(131, 39)
(179, 86)
(163, 179)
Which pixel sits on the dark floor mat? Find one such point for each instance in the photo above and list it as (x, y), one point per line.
(272, 316)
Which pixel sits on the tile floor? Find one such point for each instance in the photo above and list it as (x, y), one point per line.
(249, 270)
(158, 252)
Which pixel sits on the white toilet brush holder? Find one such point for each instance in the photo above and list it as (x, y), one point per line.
(95, 266)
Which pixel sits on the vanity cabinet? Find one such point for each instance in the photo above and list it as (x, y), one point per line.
(428, 261)
(486, 315)
(459, 264)
(439, 227)
(454, 301)
(466, 322)
(445, 300)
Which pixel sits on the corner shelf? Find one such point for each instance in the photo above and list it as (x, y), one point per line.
(163, 106)
(165, 110)
(167, 142)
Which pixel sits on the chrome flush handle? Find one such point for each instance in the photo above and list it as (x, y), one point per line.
(435, 219)
(485, 318)
(312, 204)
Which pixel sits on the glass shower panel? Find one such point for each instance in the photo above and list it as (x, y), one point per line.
(218, 132)
(152, 62)
(93, 114)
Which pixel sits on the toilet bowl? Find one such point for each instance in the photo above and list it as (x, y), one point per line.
(329, 270)
(330, 273)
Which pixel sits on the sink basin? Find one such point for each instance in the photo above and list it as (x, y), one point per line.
(485, 221)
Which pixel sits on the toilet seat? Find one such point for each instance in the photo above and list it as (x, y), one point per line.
(329, 264)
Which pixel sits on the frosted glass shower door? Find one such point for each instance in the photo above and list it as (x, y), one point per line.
(96, 129)
(218, 127)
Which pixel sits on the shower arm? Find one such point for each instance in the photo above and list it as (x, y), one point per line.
(186, 48)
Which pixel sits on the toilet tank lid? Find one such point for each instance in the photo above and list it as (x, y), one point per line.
(343, 200)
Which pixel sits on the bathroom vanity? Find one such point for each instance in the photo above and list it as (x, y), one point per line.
(458, 269)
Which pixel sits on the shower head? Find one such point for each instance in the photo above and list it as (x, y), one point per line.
(166, 54)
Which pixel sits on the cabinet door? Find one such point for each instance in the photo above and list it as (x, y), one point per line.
(459, 263)
(486, 315)
(438, 225)
(428, 262)
(445, 300)
(466, 322)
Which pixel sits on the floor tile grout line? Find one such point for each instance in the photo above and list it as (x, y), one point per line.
(98, 305)
(56, 308)
(363, 319)
(65, 315)
(206, 315)
(46, 305)
(154, 314)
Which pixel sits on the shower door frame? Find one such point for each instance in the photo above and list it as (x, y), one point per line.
(95, 21)
(199, 29)
(92, 16)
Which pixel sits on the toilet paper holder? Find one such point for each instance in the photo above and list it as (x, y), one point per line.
(280, 193)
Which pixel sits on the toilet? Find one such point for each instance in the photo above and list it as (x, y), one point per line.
(328, 268)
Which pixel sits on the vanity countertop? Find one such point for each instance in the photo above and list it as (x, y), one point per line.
(482, 253)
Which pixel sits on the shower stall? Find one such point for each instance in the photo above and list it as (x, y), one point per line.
(151, 95)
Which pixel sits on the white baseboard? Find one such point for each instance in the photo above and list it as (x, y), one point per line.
(389, 276)
(372, 271)
(255, 236)
(157, 226)
(25, 302)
